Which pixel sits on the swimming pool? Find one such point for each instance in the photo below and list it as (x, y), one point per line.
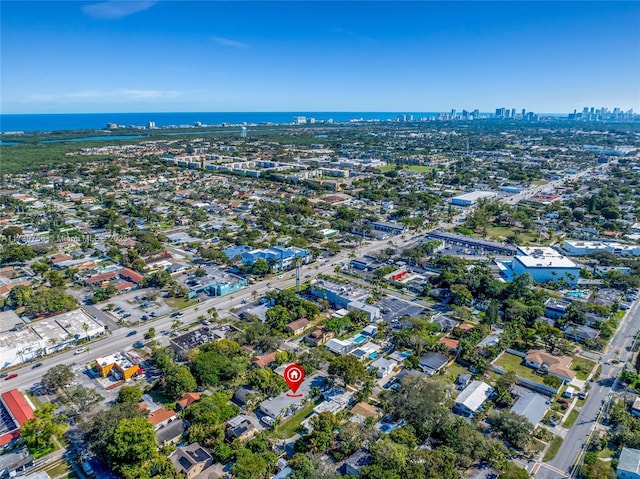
(373, 355)
(359, 339)
(577, 294)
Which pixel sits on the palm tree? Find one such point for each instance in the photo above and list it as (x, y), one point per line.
(85, 326)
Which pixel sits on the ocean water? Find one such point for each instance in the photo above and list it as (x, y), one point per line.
(89, 121)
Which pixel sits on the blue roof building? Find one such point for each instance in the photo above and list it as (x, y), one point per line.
(280, 257)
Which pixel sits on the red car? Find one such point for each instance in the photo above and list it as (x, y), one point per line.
(11, 376)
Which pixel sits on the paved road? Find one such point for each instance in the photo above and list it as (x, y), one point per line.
(599, 393)
(117, 339)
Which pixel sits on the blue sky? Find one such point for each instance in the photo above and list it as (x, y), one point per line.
(143, 56)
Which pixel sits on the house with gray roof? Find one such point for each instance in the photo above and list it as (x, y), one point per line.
(629, 464)
(471, 399)
(432, 362)
(531, 405)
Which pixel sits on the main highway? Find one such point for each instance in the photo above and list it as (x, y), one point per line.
(619, 350)
(118, 339)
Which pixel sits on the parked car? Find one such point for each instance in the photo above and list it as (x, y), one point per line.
(268, 420)
(144, 317)
(153, 314)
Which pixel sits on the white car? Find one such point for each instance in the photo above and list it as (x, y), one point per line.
(268, 420)
(80, 351)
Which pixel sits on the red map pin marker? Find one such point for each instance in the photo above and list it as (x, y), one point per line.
(294, 375)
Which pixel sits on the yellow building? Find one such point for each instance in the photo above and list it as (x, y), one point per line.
(119, 364)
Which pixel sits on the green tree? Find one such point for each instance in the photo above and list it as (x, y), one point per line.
(178, 380)
(253, 466)
(514, 428)
(130, 394)
(132, 442)
(58, 376)
(16, 253)
(260, 267)
(348, 368)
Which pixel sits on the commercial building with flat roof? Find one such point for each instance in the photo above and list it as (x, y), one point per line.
(119, 364)
(338, 294)
(216, 282)
(280, 257)
(581, 248)
(472, 198)
(544, 264)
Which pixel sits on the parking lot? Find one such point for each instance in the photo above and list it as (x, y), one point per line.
(392, 308)
(133, 307)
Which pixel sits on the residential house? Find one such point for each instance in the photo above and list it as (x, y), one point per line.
(383, 367)
(240, 427)
(545, 362)
(445, 322)
(471, 399)
(161, 417)
(555, 308)
(171, 433)
(432, 362)
(191, 460)
(187, 400)
(318, 337)
(581, 333)
(354, 463)
(264, 360)
(299, 326)
(243, 395)
(629, 464)
(531, 405)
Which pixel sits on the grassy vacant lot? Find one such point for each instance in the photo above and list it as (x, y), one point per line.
(179, 303)
(571, 419)
(511, 362)
(501, 233)
(582, 367)
(289, 428)
(554, 446)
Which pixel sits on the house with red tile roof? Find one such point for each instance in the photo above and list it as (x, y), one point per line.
(264, 360)
(187, 400)
(99, 278)
(131, 275)
(14, 411)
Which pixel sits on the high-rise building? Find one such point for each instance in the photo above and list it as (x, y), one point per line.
(501, 112)
(453, 113)
(476, 114)
(151, 125)
(243, 132)
(300, 120)
(513, 113)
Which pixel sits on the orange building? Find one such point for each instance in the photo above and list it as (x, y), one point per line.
(119, 364)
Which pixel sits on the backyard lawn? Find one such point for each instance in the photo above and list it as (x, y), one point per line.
(511, 362)
(289, 428)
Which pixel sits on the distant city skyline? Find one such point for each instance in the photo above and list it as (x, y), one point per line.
(166, 56)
